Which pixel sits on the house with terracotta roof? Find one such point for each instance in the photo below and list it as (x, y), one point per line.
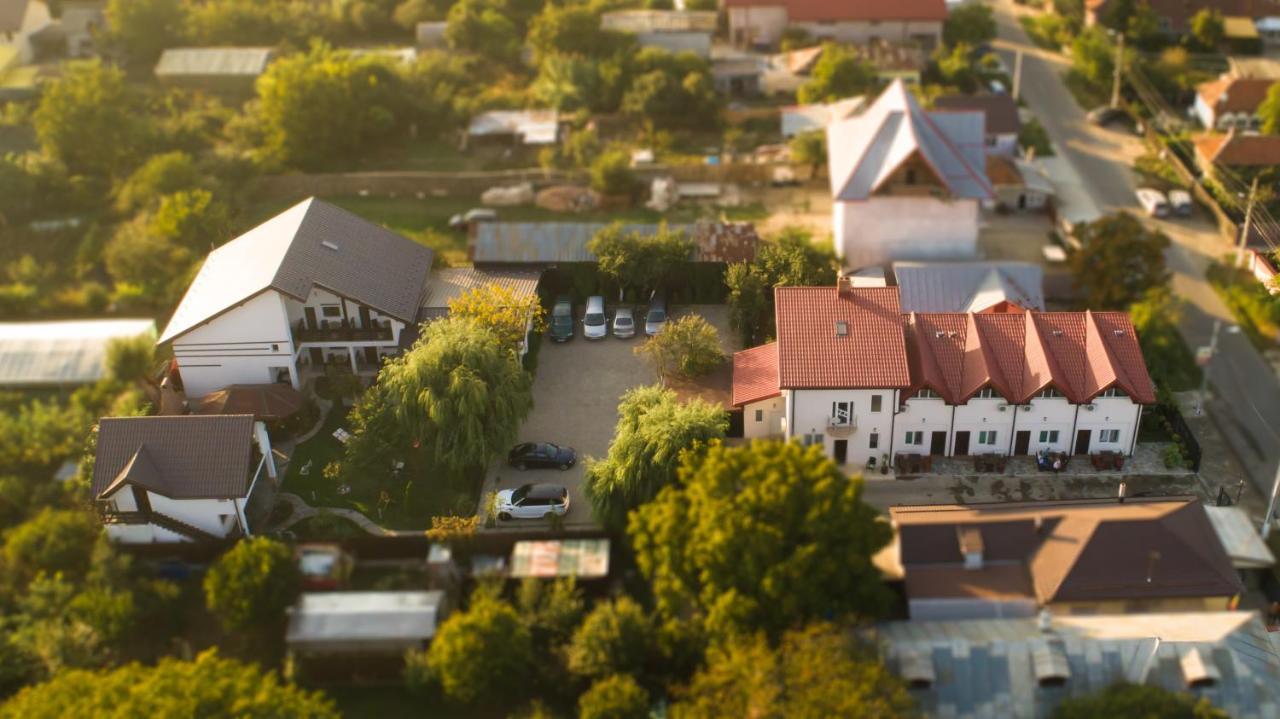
(851, 371)
(906, 184)
(313, 286)
(760, 23)
(1231, 102)
(186, 478)
(1097, 556)
(1236, 151)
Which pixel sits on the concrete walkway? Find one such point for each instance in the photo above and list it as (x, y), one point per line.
(302, 510)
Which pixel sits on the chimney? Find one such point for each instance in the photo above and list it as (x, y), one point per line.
(844, 286)
(1124, 487)
(970, 546)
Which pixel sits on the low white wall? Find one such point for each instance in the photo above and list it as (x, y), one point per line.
(763, 418)
(881, 229)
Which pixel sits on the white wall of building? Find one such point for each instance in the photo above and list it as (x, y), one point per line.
(240, 346)
(923, 415)
(983, 415)
(809, 412)
(1110, 413)
(1046, 416)
(880, 229)
(766, 418)
(215, 516)
(1003, 144)
(1204, 112)
(928, 34)
(757, 25)
(142, 534)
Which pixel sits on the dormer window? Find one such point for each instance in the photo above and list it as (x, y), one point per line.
(1048, 393)
(926, 393)
(987, 393)
(1113, 392)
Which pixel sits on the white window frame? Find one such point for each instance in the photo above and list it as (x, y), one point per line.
(841, 413)
(914, 438)
(987, 393)
(1109, 436)
(1051, 434)
(987, 437)
(925, 393)
(877, 402)
(813, 438)
(1048, 393)
(1113, 392)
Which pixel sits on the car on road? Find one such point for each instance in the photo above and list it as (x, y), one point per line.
(1153, 201)
(562, 320)
(595, 325)
(536, 455)
(624, 323)
(1180, 202)
(656, 318)
(532, 501)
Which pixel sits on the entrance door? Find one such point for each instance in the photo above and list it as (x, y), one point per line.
(371, 355)
(310, 313)
(962, 444)
(317, 357)
(841, 451)
(1082, 441)
(365, 322)
(1022, 443)
(938, 443)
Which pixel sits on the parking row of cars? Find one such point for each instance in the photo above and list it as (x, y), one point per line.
(1157, 204)
(595, 320)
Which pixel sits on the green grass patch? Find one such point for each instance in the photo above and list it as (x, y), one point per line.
(1087, 95)
(1255, 309)
(1033, 136)
(1157, 172)
(1046, 31)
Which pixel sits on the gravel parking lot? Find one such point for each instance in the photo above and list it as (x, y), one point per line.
(575, 402)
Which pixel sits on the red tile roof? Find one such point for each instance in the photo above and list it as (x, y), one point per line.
(1235, 94)
(812, 353)
(755, 374)
(1236, 150)
(865, 10)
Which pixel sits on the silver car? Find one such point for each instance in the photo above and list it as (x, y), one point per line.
(624, 323)
(595, 325)
(656, 318)
(532, 501)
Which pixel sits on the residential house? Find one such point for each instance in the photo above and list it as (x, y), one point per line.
(906, 183)
(550, 244)
(1001, 118)
(982, 287)
(516, 127)
(1091, 556)
(670, 30)
(853, 373)
(312, 286)
(1236, 151)
(760, 23)
(226, 70)
(1231, 102)
(1174, 16)
(799, 119)
(364, 624)
(20, 22)
(62, 353)
(737, 75)
(1023, 667)
(787, 71)
(1019, 184)
(181, 479)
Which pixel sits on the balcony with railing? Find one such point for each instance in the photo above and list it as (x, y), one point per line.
(842, 425)
(341, 331)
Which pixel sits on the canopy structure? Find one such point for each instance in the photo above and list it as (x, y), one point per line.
(1240, 538)
(263, 401)
(581, 558)
(61, 353)
(364, 622)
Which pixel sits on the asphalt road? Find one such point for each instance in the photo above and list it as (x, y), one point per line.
(1247, 404)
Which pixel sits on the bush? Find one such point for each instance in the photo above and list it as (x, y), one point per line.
(611, 175)
(1033, 136)
(614, 697)
(477, 654)
(1049, 31)
(688, 347)
(252, 584)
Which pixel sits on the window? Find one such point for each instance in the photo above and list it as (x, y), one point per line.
(874, 441)
(986, 438)
(275, 348)
(1110, 436)
(926, 393)
(812, 439)
(987, 393)
(876, 402)
(915, 438)
(1049, 436)
(1113, 392)
(759, 415)
(1048, 393)
(331, 311)
(841, 412)
(911, 176)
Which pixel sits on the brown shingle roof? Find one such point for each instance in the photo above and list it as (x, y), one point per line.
(811, 354)
(12, 13)
(1000, 111)
(263, 401)
(1236, 150)
(1086, 550)
(1235, 94)
(870, 10)
(755, 374)
(182, 457)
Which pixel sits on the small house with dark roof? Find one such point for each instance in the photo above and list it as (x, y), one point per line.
(187, 478)
(312, 286)
(1001, 115)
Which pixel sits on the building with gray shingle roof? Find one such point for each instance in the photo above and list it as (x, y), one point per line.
(968, 286)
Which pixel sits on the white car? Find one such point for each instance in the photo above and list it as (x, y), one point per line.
(624, 323)
(1153, 201)
(1180, 202)
(656, 318)
(595, 325)
(532, 501)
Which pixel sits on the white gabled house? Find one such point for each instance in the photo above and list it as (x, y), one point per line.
(905, 183)
(314, 285)
(853, 373)
(180, 478)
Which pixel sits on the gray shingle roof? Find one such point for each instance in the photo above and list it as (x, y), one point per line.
(181, 457)
(968, 286)
(311, 244)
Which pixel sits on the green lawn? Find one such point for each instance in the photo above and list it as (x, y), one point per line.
(410, 502)
(1257, 311)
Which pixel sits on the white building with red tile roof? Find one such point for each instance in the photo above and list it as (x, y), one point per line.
(906, 184)
(851, 371)
(760, 23)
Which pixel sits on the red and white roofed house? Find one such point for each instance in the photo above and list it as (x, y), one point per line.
(854, 373)
(906, 184)
(760, 23)
(1231, 102)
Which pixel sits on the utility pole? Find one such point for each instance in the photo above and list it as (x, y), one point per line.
(1017, 74)
(1271, 506)
(1204, 357)
(1248, 223)
(1115, 87)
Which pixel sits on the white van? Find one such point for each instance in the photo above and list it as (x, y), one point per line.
(595, 326)
(1180, 202)
(1153, 202)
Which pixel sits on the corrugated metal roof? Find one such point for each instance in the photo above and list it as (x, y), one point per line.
(644, 21)
(968, 286)
(325, 617)
(545, 242)
(207, 61)
(446, 284)
(51, 353)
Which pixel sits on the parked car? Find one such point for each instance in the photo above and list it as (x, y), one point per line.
(595, 325)
(562, 320)
(1106, 115)
(1153, 201)
(624, 323)
(532, 455)
(656, 318)
(1180, 202)
(532, 501)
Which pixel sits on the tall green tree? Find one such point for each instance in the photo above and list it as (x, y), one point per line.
(90, 120)
(972, 24)
(478, 654)
(1269, 111)
(686, 347)
(510, 315)
(572, 30)
(810, 148)
(791, 259)
(615, 697)
(142, 29)
(252, 584)
(617, 637)
(816, 671)
(1093, 57)
(1119, 261)
(209, 686)
(761, 537)
(637, 261)
(1208, 28)
(1138, 700)
(160, 175)
(672, 91)
(840, 73)
(485, 28)
(654, 430)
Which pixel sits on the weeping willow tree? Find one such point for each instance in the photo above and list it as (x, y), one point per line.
(458, 395)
